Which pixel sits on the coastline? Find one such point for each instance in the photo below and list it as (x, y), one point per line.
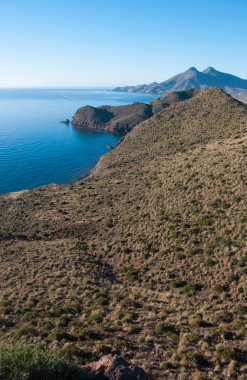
(37, 150)
(19, 193)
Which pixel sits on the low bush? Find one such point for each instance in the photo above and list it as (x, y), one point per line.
(224, 316)
(178, 283)
(226, 353)
(36, 363)
(162, 328)
(193, 359)
(192, 288)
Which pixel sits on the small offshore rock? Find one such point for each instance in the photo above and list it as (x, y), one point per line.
(66, 121)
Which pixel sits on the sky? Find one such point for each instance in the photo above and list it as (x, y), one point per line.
(82, 43)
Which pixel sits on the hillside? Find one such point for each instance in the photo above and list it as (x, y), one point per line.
(171, 98)
(122, 119)
(146, 257)
(118, 119)
(192, 78)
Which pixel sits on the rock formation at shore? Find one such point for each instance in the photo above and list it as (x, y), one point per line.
(122, 119)
(118, 119)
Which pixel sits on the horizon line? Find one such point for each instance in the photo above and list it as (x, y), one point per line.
(54, 87)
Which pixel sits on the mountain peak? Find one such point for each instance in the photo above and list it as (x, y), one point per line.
(193, 78)
(192, 68)
(210, 69)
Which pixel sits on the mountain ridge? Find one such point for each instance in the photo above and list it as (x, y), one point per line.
(192, 78)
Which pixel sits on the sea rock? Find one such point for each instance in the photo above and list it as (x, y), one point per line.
(66, 121)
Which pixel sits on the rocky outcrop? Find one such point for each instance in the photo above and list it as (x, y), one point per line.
(115, 368)
(92, 117)
(122, 119)
(118, 119)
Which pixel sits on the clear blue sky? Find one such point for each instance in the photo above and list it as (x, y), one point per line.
(117, 42)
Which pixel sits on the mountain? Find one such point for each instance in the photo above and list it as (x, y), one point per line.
(145, 258)
(122, 119)
(192, 78)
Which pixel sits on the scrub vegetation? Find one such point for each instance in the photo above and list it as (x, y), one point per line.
(146, 258)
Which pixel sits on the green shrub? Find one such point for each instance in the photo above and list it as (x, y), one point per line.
(178, 283)
(193, 337)
(131, 273)
(192, 288)
(224, 316)
(196, 251)
(134, 329)
(162, 327)
(206, 221)
(103, 348)
(241, 310)
(193, 359)
(35, 363)
(26, 329)
(221, 288)
(59, 334)
(167, 365)
(63, 321)
(226, 354)
(210, 263)
(93, 333)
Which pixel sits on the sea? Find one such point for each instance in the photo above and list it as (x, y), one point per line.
(36, 149)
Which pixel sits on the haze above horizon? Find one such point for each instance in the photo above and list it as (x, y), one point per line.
(106, 43)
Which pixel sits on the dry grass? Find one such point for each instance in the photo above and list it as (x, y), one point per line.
(147, 257)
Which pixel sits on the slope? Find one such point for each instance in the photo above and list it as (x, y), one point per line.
(147, 256)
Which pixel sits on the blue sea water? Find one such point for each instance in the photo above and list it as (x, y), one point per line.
(36, 149)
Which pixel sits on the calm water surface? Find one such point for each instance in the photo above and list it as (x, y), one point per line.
(36, 149)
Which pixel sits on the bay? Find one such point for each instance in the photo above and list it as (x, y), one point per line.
(36, 149)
